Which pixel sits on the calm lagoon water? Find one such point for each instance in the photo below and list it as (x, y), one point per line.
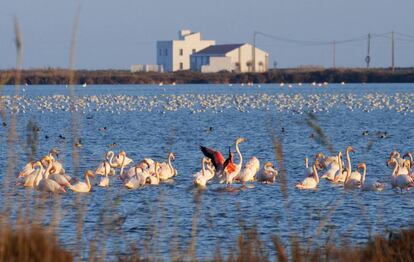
(179, 120)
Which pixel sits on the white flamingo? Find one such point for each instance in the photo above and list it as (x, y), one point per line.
(83, 187)
(166, 170)
(122, 161)
(27, 170)
(154, 179)
(48, 185)
(229, 176)
(402, 181)
(312, 179)
(372, 186)
(249, 171)
(33, 179)
(340, 175)
(332, 168)
(203, 176)
(267, 174)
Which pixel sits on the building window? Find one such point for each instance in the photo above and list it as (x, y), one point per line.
(181, 66)
(181, 52)
(160, 52)
(166, 52)
(194, 51)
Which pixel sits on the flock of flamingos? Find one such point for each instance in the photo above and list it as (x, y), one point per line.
(48, 174)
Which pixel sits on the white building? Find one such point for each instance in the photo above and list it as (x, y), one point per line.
(174, 55)
(231, 57)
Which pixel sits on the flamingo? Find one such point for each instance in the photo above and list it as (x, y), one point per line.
(353, 175)
(122, 160)
(312, 180)
(203, 176)
(399, 180)
(83, 187)
(218, 160)
(268, 174)
(340, 175)
(154, 179)
(58, 167)
(166, 170)
(48, 185)
(147, 165)
(409, 163)
(27, 170)
(351, 183)
(403, 169)
(324, 161)
(229, 173)
(249, 171)
(373, 186)
(333, 168)
(33, 179)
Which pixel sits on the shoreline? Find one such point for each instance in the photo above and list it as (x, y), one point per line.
(58, 76)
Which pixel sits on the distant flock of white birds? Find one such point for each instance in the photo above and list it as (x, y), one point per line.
(215, 103)
(48, 174)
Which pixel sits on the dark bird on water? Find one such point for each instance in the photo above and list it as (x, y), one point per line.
(62, 137)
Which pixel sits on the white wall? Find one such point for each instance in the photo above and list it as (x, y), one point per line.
(243, 55)
(179, 51)
(217, 64)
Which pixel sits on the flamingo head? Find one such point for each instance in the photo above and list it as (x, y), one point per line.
(89, 173)
(240, 140)
(268, 165)
(394, 153)
(391, 162)
(46, 160)
(207, 160)
(350, 149)
(54, 151)
(171, 155)
(319, 155)
(362, 166)
(408, 154)
(122, 153)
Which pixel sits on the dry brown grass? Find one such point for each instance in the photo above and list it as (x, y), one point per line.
(30, 243)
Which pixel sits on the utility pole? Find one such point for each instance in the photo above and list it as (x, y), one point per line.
(254, 51)
(334, 54)
(368, 57)
(392, 52)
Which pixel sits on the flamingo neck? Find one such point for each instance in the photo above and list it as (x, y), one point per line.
(364, 172)
(47, 171)
(203, 170)
(306, 162)
(88, 182)
(122, 165)
(239, 154)
(315, 173)
(340, 163)
(348, 158)
(170, 164)
(157, 174)
(396, 168)
(111, 158)
(39, 173)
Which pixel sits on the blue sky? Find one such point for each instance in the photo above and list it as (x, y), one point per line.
(116, 34)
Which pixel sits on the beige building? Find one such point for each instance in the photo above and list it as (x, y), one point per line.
(231, 57)
(174, 55)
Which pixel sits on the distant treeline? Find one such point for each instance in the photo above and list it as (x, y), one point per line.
(304, 75)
